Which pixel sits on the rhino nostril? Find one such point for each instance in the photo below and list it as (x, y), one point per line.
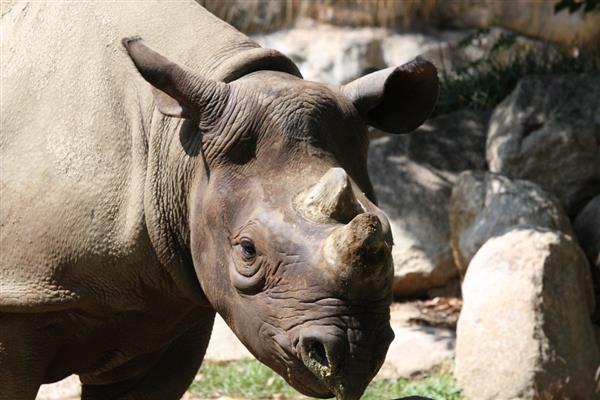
(316, 351)
(322, 352)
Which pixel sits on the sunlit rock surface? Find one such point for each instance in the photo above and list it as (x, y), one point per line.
(525, 329)
(484, 205)
(547, 132)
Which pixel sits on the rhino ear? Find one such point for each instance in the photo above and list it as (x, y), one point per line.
(397, 99)
(178, 92)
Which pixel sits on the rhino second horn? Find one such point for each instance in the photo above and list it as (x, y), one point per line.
(330, 200)
(357, 245)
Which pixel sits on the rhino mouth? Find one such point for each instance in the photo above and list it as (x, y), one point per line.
(314, 371)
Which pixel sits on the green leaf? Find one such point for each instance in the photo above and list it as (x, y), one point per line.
(591, 5)
(561, 5)
(574, 6)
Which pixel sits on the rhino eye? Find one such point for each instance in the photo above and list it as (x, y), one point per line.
(248, 249)
(246, 270)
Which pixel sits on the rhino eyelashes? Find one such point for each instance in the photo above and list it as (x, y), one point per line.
(331, 200)
(248, 248)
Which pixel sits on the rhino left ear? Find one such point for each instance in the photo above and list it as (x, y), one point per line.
(178, 91)
(397, 99)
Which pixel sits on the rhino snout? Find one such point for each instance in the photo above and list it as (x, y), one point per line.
(324, 350)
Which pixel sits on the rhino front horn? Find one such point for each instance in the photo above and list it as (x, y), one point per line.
(330, 200)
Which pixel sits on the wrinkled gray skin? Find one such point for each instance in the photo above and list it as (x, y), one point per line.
(131, 212)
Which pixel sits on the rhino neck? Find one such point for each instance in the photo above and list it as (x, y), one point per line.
(176, 166)
(173, 164)
(253, 60)
(210, 46)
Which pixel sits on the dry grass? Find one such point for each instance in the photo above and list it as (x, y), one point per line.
(265, 15)
(536, 18)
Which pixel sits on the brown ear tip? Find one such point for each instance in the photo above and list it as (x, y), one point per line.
(423, 61)
(430, 67)
(126, 41)
(420, 65)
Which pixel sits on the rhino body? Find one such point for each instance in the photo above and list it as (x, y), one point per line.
(84, 192)
(131, 213)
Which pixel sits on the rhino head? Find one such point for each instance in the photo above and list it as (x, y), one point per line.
(285, 236)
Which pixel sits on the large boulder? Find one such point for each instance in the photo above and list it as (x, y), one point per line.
(441, 48)
(525, 330)
(547, 131)
(587, 230)
(453, 50)
(484, 205)
(413, 177)
(338, 56)
(537, 19)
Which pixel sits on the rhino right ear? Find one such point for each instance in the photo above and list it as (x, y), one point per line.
(397, 99)
(178, 92)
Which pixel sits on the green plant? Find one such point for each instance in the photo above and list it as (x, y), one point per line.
(483, 83)
(575, 5)
(247, 379)
(439, 385)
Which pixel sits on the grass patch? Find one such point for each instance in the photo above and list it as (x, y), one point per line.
(438, 384)
(249, 379)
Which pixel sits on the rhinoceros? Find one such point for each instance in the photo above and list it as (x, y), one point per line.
(142, 194)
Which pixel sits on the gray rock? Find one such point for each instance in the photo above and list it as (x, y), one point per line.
(67, 389)
(413, 175)
(525, 330)
(448, 50)
(587, 230)
(484, 205)
(438, 48)
(548, 131)
(329, 54)
(337, 54)
(536, 19)
(417, 349)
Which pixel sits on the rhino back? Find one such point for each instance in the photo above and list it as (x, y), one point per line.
(74, 148)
